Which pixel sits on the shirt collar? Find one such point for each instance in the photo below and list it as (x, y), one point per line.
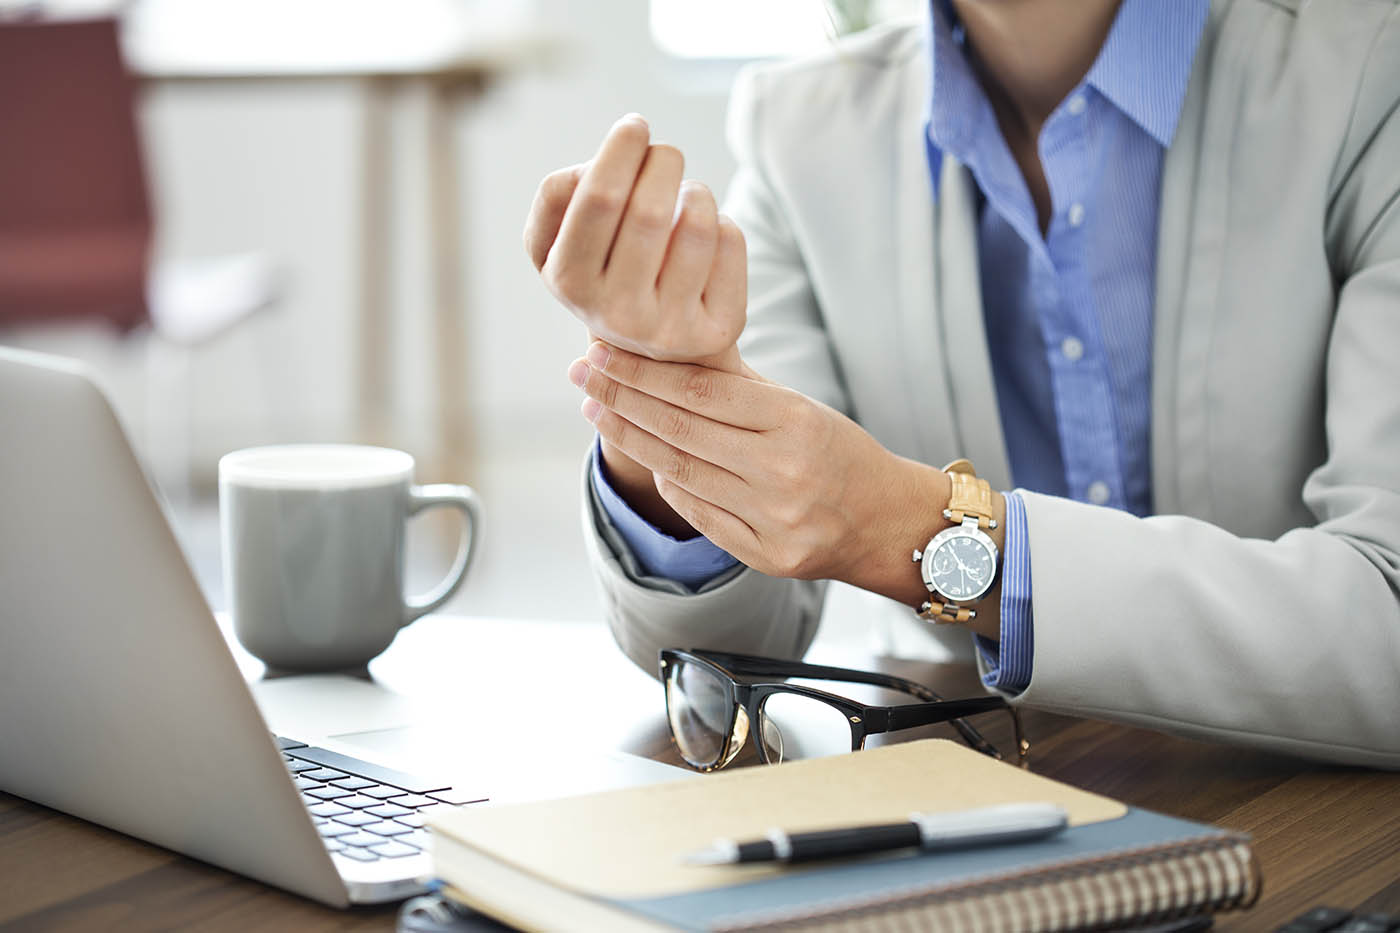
(1142, 70)
(1146, 60)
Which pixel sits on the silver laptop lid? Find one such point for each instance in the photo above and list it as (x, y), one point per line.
(119, 700)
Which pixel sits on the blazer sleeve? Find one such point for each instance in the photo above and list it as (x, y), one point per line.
(1290, 644)
(784, 339)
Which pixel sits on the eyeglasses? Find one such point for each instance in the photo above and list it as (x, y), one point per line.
(710, 710)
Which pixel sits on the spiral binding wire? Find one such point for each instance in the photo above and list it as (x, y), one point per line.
(1207, 874)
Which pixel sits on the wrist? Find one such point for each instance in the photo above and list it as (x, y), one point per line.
(635, 485)
(909, 513)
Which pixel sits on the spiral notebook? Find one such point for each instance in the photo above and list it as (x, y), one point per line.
(610, 861)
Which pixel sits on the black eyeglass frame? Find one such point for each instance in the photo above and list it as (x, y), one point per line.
(864, 720)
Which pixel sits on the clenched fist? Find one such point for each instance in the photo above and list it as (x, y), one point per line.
(643, 258)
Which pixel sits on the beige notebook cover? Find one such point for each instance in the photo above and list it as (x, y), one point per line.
(626, 844)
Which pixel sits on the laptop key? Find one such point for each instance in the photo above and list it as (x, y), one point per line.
(331, 829)
(409, 782)
(325, 774)
(305, 783)
(335, 845)
(354, 783)
(419, 838)
(297, 766)
(389, 810)
(357, 802)
(361, 839)
(392, 849)
(387, 828)
(327, 808)
(382, 791)
(285, 743)
(411, 800)
(356, 818)
(326, 792)
(359, 855)
(415, 820)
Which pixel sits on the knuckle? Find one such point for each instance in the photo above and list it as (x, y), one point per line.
(569, 283)
(698, 387)
(678, 467)
(674, 425)
(557, 186)
(607, 393)
(603, 199)
(650, 216)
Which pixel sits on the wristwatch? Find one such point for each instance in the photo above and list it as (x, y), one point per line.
(959, 564)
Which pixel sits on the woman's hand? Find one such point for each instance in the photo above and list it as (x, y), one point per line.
(640, 256)
(787, 485)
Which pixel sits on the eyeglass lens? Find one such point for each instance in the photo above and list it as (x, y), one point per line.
(702, 715)
(795, 726)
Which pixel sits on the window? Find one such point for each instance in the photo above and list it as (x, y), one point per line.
(728, 29)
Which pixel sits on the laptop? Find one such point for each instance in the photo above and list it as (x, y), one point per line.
(121, 702)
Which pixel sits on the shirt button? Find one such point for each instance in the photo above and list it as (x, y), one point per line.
(1072, 348)
(1076, 214)
(1099, 492)
(1077, 104)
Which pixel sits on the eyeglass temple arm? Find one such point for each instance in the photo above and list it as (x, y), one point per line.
(923, 714)
(750, 664)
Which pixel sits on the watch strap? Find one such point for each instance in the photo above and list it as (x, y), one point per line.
(970, 497)
(946, 613)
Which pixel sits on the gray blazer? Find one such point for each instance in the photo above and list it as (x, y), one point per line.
(1260, 606)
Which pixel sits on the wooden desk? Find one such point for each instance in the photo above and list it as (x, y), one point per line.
(1324, 835)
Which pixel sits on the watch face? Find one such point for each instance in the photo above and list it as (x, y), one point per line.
(961, 567)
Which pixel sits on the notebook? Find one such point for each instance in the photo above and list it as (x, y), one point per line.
(611, 861)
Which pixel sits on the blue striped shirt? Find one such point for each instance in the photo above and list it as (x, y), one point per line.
(1068, 315)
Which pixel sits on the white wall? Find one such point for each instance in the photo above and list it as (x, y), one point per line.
(276, 166)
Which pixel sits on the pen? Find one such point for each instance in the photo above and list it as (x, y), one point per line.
(1012, 822)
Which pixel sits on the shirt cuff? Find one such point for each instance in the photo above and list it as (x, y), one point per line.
(693, 562)
(1007, 663)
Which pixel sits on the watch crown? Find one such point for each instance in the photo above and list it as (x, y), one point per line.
(918, 555)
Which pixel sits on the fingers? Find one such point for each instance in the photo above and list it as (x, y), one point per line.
(635, 260)
(726, 292)
(695, 474)
(722, 527)
(713, 441)
(720, 396)
(691, 250)
(547, 212)
(591, 220)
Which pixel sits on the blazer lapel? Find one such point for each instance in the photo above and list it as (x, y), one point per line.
(951, 394)
(967, 358)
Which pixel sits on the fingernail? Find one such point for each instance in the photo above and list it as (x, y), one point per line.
(598, 355)
(578, 373)
(634, 118)
(591, 409)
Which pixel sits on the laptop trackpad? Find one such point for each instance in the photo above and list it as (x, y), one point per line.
(503, 772)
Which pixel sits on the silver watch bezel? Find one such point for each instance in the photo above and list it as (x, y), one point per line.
(968, 529)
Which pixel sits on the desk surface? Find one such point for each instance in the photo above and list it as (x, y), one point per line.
(1322, 834)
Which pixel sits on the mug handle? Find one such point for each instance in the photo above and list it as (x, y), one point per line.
(459, 497)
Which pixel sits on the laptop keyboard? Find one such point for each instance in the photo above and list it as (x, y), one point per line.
(364, 811)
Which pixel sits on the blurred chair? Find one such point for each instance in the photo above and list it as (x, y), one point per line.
(76, 225)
